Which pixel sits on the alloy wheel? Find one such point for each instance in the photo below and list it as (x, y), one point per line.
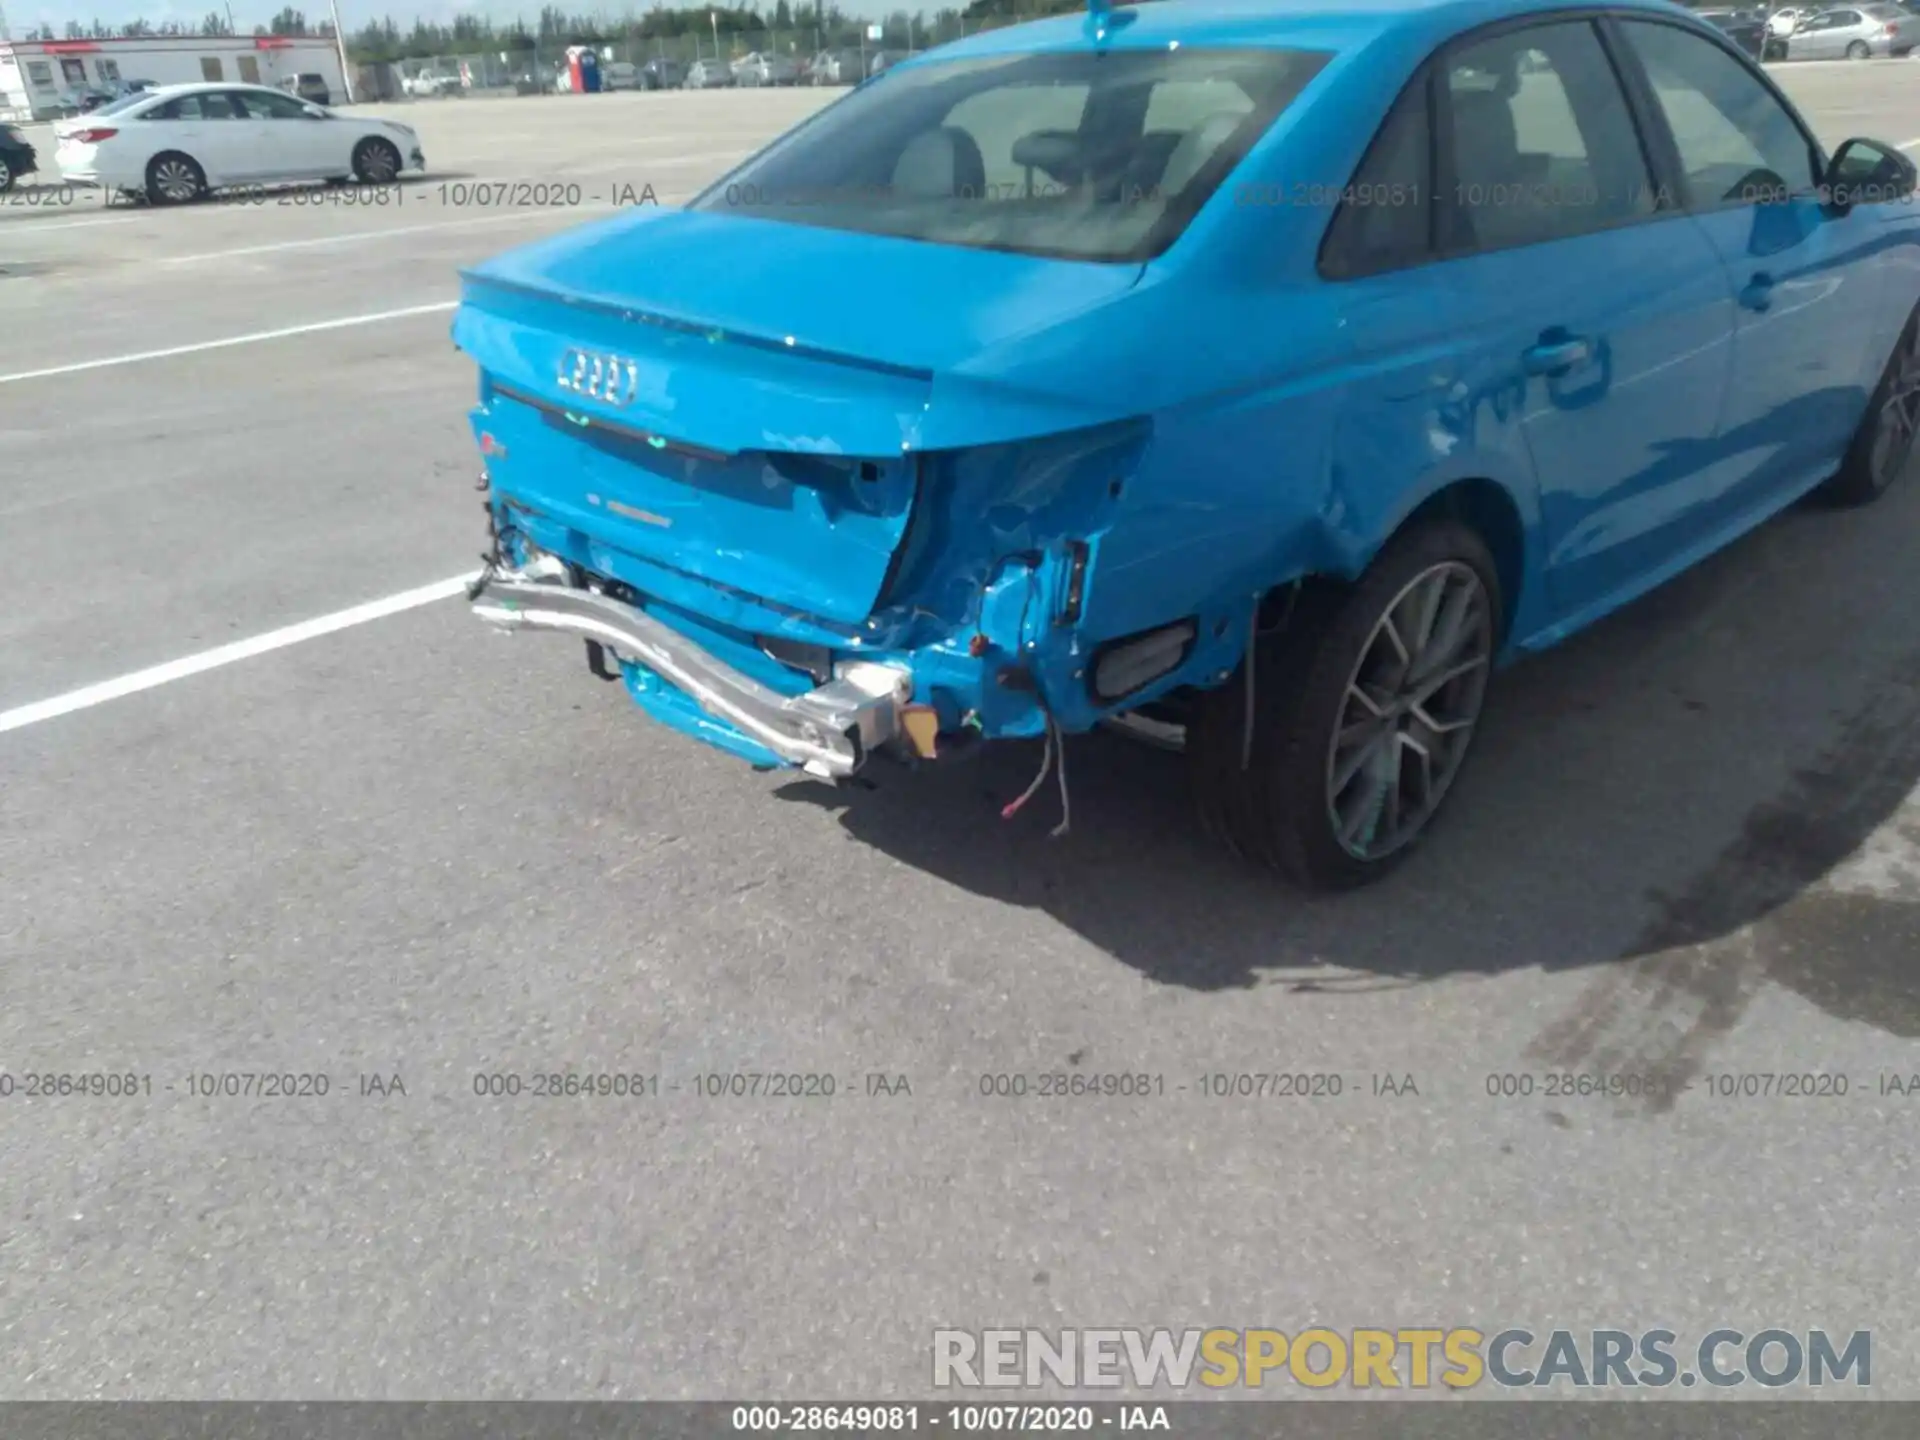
(1899, 418)
(378, 167)
(1409, 710)
(175, 180)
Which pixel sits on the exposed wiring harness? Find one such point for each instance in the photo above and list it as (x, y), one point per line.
(1053, 760)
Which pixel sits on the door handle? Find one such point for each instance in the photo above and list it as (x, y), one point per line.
(1556, 355)
(1759, 293)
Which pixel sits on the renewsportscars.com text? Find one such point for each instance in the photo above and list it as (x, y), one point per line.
(1401, 1358)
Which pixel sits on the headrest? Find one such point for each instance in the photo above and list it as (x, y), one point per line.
(941, 164)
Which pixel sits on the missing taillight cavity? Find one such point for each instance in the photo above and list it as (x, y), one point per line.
(1076, 583)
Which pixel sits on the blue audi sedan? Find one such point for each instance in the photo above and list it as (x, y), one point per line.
(1267, 373)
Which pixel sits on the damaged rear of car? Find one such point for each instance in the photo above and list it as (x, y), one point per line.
(827, 463)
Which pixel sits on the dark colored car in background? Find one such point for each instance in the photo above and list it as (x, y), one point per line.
(1746, 28)
(309, 86)
(658, 74)
(16, 157)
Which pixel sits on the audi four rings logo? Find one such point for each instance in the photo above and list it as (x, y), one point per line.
(610, 379)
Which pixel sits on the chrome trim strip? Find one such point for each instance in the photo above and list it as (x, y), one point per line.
(828, 732)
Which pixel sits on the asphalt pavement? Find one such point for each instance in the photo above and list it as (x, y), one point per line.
(410, 856)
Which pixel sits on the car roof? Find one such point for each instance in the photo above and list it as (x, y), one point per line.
(200, 87)
(1303, 24)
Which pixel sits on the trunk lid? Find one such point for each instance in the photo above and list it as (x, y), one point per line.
(745, 401)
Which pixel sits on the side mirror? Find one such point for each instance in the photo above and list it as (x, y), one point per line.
(1865, 172)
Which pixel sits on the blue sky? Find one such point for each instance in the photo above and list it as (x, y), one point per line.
(24, 14)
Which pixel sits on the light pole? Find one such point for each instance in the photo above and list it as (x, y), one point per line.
(340, 44)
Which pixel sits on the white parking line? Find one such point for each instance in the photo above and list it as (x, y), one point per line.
(231, 340)
(352, 236)
(157, 675)
(28, 228)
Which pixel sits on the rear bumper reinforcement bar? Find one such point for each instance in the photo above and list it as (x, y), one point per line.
(828, 731)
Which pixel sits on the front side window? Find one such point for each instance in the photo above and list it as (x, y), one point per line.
(265, 105)
(1543, 145)
(1738, 144)
(1077, 155)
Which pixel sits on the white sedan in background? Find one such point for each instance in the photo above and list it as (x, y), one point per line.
(179, 142)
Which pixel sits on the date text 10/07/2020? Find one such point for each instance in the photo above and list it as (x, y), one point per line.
(956, 1419)
(446, 195)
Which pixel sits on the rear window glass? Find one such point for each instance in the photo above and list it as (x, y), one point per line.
(1082, 155)
(125, 102)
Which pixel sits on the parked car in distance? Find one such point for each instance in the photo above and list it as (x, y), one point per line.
(708, 75)
(180, 142)
(1781, 24)
(879, 60)
(308, 86)
(1783, 21)
(766, 69)
(430, 85)
(662, 74)
(1853, 32)
(619, 75)
(990, 509)
(1746, 28)
(834, 67)
(17, 156)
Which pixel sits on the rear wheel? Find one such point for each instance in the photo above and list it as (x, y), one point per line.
(375, 162)
(1883, 444)
(6, 175)
(1859, 50)
(1365, 705)
(174, 179)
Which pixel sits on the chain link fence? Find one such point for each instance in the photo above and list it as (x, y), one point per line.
(664, 61)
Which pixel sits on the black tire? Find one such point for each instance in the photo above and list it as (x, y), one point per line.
(1859, 50)
(376, 162)
(6, 175)
(175, 179)
(1276, 811)
(1882, 445)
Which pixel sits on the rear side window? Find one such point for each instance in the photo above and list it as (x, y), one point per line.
(1384, 220)
(1077, 155)
(196, 107)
